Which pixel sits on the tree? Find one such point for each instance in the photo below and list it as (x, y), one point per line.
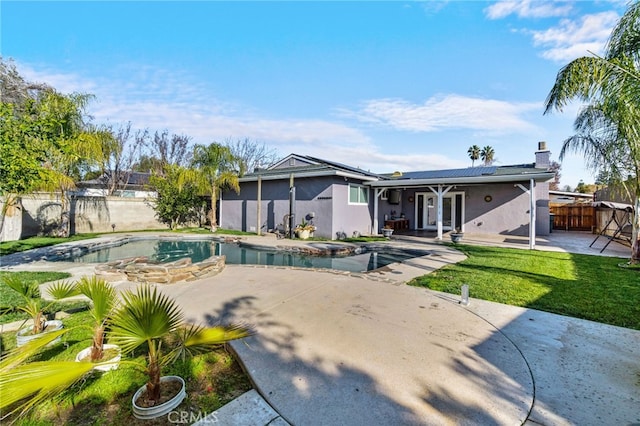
(172, 149)
(179, 200)
(215, 169)
(70, 145)
(555, 167)
(122, 151)
(487, 154)
(15, 89)
(47, 141)
(474, 154)
(251, 154)
(607, 129)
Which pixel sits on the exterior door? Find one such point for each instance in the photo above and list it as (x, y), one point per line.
(427, 211)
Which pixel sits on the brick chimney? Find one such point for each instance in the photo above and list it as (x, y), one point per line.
(543, 156)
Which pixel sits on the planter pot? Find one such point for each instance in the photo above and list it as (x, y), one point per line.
(148, 413)
(456, 238)
(22, 337)
(111, 364)
(303, 234)
(387, 232)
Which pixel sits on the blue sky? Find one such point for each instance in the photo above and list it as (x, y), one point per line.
(383, 86)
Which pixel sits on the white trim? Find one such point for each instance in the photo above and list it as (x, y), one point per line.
(286, 175)
(434, 194)
(412, 183)
(355, 185)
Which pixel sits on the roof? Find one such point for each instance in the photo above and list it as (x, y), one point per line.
(469, 175)
(308, 167)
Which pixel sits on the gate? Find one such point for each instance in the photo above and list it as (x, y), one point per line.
(573, 217)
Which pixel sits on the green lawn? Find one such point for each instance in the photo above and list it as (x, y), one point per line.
(9, 298)
(9, 247)
(581, 286)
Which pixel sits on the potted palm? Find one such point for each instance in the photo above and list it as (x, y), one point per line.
(103, 302)
(150, 319)
(35, 307)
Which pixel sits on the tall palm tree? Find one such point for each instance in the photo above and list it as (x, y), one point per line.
(487, 154)
(608, 127)
(215, 165)
(474, 154)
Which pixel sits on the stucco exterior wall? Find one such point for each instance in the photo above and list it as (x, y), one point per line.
(350, 218)
(313, 197)
(40, 213)
(507, 213)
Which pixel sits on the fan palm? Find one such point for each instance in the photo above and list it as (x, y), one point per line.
(487, 154)
(145, 317)
(103, 301)
(608, 128)
(34, 306)
(149, 318)
(474, 154)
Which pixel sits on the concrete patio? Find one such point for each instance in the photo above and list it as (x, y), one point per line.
(366, 349)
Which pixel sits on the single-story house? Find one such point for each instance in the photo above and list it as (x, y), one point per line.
(341, 200)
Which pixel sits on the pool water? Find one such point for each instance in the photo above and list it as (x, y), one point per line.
(198, 250)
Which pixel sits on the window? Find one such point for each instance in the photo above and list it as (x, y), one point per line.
(358, 194)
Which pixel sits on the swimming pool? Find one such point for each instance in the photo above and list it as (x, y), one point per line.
(162, 251)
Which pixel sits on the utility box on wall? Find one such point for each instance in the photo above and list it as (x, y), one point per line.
(394, 196)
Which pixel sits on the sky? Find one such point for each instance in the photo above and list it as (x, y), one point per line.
(384, 86)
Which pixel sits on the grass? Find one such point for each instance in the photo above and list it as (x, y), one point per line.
(9, 247)
(9, 298)
(581, 286)
(213, 379)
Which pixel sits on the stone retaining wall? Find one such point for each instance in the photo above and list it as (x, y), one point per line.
(139, 269)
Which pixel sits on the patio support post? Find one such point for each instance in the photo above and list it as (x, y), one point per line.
(532, 211)
(378, 193)
(440, 194)
(259, 212)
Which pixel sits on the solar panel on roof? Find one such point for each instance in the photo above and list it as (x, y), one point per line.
(451, 173)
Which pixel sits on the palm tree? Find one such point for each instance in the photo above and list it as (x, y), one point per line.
(149, 318)
(103, 299)
(474, 154)
(145, 318)
(215, 165)
(608, 127)
(487, 154)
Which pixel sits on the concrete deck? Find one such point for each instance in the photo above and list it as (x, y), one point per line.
(345, 349)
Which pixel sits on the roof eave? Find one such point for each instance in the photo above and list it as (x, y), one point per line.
(321, 173)
(407, 183)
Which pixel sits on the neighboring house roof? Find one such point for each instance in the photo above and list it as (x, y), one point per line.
(134, 179)
(469, 175)
(569, 195)
(306, 166)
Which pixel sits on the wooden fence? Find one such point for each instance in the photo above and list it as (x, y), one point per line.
(573, 217)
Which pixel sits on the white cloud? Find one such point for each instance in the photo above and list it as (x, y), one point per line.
(528, 9)
(158, 99)
(572, 39)
(446, 112)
